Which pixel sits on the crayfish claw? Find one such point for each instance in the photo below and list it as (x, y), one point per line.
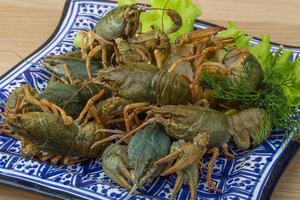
(191, 176)
(120, 180)
(189, 153)
(115, 165)
(168, 158)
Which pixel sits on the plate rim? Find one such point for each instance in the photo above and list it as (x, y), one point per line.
(277, 169)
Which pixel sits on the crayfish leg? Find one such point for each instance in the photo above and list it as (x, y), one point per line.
(205, 52)
(107, 139)
(103, 44)
(226, 151)
(90, 109)
(6, 130)
(29, 150)
(135, 116)
(131, 107)
(179, 61)
(82, 44)
(31, 99)
(56, 159)
(211, 68)
(68, 161)
(44, 158)
(95, 50)
(215, 153)
(104, 57)
(68, 73)
(66, 118)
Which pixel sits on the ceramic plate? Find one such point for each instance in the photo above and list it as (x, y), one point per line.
(251, 175)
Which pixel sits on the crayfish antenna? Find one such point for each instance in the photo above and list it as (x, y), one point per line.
(109, 138)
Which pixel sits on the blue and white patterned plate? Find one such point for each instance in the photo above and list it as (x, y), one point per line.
(251, 175)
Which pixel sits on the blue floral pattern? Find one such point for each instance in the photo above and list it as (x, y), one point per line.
(241, 178)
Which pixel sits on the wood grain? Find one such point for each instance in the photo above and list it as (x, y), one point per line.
(25, 25)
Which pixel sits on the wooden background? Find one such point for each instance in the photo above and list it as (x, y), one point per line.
(26, 24)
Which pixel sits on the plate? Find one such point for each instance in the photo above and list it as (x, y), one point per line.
(251, 175)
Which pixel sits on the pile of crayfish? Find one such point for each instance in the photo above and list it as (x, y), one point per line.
(137, 101)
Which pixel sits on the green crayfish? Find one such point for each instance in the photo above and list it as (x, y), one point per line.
(135, 163)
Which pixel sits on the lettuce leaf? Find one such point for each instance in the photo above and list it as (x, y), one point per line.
(78, 38)
(125, 2)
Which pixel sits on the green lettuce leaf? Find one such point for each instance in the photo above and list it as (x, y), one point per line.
(262, 52)
(77, 39)
(125, 2)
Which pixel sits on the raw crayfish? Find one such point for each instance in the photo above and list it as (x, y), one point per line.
(144, 148)
(46, 132)
(72, 98)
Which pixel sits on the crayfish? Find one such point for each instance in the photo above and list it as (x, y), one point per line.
(46, 132)
(135, 163)
(71, 98)
(200, 130)
(44, 126)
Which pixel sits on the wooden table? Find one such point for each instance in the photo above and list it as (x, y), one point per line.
(25, 25)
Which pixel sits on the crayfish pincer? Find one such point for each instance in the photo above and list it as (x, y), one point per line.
(49, 134)
(147, 146)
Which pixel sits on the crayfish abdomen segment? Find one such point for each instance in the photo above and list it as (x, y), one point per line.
(171, 88)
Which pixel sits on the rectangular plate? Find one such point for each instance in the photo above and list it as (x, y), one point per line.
(251, 175)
